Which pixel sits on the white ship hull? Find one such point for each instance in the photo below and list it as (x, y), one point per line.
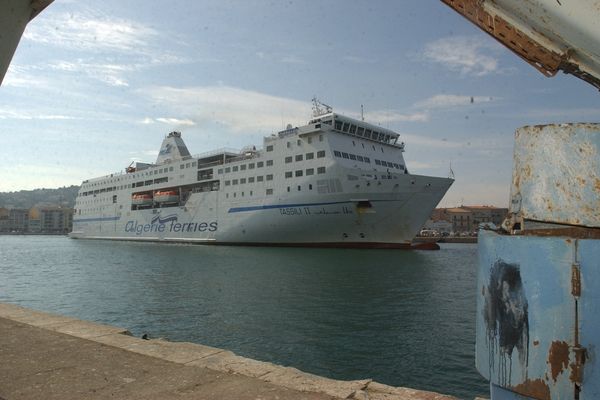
(345, 205)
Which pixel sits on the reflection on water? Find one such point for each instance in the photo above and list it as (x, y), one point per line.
(402, 318)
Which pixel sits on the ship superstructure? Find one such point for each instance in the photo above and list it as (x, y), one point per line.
(336, 181)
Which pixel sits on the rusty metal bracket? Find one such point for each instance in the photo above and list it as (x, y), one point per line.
(545, 60)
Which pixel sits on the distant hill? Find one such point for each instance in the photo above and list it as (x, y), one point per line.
(28, 198)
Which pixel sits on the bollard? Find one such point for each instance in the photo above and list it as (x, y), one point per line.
(538, 300)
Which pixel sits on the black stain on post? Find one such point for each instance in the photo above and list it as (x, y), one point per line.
(505, 315)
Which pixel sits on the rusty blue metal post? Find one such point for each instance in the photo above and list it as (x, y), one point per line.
(538, 307)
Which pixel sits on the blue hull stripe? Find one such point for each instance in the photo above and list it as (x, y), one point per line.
(96, 219)
(273, 206)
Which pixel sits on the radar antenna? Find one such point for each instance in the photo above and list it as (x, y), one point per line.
(320, 108)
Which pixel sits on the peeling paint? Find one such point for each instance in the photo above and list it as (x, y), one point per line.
(558, 358)
(536, 388)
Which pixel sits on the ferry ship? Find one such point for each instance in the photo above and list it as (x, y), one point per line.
(334, 182)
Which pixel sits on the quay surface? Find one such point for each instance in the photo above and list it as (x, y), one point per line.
(55, 357)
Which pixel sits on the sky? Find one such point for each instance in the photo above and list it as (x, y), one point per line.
(95, 85)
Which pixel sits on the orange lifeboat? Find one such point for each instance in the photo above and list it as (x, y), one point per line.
(141, 199)
(166, 196)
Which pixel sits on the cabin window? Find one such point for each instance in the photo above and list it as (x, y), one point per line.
(345, 155)
(227, 183)
(310, 186)
(321, 154)
(359, 158)
(269, 163)
(288, 174)
(243, 167)
(288, 188)
(251, 179)
(299, 187)
(353, 129)
(251, 166)
(288, 159)
(182, 166)
(337, 153)
(299, 173)
(299, 142)
(310, 156)
(338, 125)
(234, 182)
(310, 171)
(352, 157)
(377, 162)
(289, 144)
(360, 131)
(242, 181)
(299, 157)
(259, 178)
(269, 192)
(309, 140)
(260, 164)
(269, 177)
(235, 169)
(171, 169)
(193, 163)
(227, 170)
(321, 170)
(270, 147)
(368, 133)
(345, 127)
(320, 138)
(220, 171)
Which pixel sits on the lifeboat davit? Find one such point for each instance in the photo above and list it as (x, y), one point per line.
(166, 196)
(141, 199)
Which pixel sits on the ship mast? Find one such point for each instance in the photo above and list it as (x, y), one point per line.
(320, 108)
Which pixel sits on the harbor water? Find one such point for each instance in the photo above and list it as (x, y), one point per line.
(403, 318)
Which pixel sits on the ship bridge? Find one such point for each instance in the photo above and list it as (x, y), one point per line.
(357, 128)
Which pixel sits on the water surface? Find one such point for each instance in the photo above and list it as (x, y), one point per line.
(404, 318)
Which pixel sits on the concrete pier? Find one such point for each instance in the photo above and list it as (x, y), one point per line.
(46, 356)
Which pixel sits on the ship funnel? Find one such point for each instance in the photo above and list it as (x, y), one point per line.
(172, 149)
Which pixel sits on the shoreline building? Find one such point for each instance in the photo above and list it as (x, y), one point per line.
(468, 218)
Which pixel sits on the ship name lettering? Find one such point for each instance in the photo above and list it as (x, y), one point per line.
(138, 229)
(290, 211)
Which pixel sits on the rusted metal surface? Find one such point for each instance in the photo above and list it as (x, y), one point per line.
(558, 358)
(548, 34)
(537, 316)
(556, 175)
(534, 388)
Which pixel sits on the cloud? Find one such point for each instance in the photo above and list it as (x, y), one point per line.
(111, 74)
(175, 121)
(387, 116)
(240, 110)
(19, 76)
(452, 100)
(469, 55)
(359, 60)
(292, 59)
(38, 175)
(24, 115)
(90, 31)
(428, 142)
(168, 121)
